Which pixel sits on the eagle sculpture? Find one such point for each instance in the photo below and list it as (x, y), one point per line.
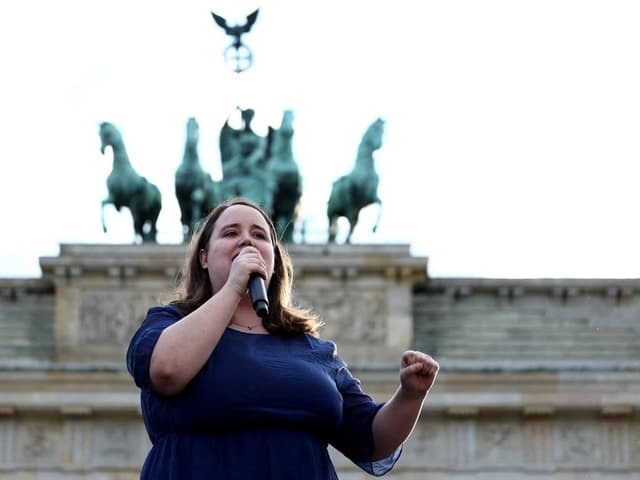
(236, 31)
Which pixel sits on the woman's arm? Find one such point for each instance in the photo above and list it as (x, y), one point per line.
(184, 347)
(395, 421)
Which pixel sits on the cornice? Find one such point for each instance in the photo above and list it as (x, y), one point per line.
(562, 288)
(164, 261)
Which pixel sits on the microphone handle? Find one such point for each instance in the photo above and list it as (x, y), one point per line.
(258, 294)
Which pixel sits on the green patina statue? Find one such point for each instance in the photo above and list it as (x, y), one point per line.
(284, 177)
(352, 192)
(196, 191)
(128, 189)
(263, 169)
(243, 155)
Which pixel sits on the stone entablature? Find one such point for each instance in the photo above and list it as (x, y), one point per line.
(363, 294)
(89, 389)
(85, 422)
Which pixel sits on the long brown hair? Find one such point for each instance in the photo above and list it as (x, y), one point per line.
(194, 286)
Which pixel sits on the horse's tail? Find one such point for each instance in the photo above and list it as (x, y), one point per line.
(375, 226)
(104, 225)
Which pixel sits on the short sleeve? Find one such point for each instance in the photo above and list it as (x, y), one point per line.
(355, 435)
(144, 341)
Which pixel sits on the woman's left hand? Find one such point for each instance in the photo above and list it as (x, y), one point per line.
(418, 371)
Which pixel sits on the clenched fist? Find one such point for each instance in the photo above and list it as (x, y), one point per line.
(418, 371)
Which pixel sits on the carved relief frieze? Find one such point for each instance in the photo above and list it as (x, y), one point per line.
(40, 443)
(51, 443)
(115, 443)
(577, 442)
(428, 445)
(351, 315)
(112, 316)
(499, 442)
(537, 442)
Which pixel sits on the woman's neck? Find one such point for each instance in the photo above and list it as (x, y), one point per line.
(246, 319)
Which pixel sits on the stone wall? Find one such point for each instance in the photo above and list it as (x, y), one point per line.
(26, 327)
(86, 425)
(520, 426)
(540, 379)
(69, 422)
(510, 447)
(530, 323)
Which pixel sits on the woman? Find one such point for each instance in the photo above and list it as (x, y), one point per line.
(226, 394)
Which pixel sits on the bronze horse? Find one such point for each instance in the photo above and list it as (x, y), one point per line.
(128, 189)
(284, 178)
(352, 192)
(196, 191)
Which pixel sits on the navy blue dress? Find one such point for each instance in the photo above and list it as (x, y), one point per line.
(262, 407)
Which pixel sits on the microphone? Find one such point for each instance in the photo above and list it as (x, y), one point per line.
(258, 294)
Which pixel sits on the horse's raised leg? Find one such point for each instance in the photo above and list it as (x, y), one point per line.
(104, 202)
(379, 202)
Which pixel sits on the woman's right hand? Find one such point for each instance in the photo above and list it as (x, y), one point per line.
(246, 262)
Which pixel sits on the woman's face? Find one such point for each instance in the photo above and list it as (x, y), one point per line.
(237, 227)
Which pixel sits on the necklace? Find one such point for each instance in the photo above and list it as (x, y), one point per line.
(248, 327)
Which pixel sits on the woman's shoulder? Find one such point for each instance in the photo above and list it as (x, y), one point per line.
(168, 310)
(162, 314)
(326, 350)
(320, 343)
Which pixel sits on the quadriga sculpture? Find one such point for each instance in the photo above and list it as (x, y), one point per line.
(128, 189)
(196, 191)
(352, 192)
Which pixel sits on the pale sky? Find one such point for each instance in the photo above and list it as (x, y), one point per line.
(512, 142)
